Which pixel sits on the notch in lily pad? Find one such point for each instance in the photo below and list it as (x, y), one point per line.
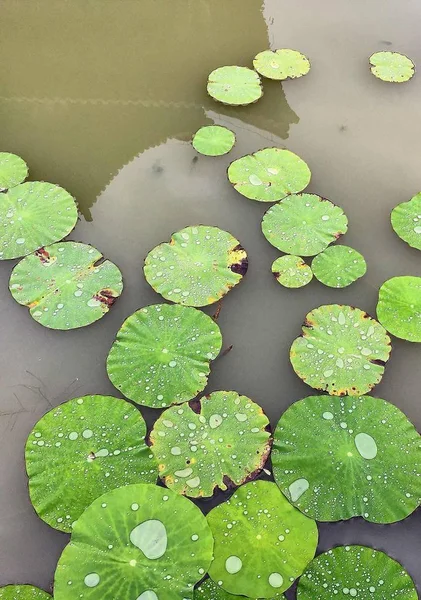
(292, 271)
(213, 140)
(281, 64)
(235, 86)
(339, 266)
(392, 67)
(13, 170)
(399, 307)
(406, 221)
(23, 592)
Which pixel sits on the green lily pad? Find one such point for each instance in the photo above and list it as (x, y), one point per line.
(281, 64)
(303, 224)
(220, 441)
(355, 572)
(64, 286)
(32, 215)
(197, 266)
(82, 449)
(342, 350)
(392, 66)
(23, 592)
(292, 271)
(262, 543)
(339, 266)
(162, 353)
(236, 86)
(399, 307)
(209, 590)
(139, 541)
(359, 456)
(13, 170)
(269, 175)
(213, 140)
(406, 221)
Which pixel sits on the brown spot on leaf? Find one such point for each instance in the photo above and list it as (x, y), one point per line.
(107, 297)
(43, 255)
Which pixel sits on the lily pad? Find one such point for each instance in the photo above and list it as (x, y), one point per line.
(281, 64)
(32, 215)
(269, 175)
(162, 353)
(23, 592)
(139, 541)
(406, 221)
(64, 285)
(197, 266)
(292, 271)
(236, 86)
(209, 590)
(13, 170)
(303, 224)
(342, 350)
(355, 572)
(82, 449)
(213, 140)
(218, 442)
(359, 456)
(262, 543)
(339, 266)
(399, 307)
(393, 67)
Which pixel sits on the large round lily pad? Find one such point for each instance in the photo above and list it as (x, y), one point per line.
(399, 307)
(237, 86)
(197, 266)
(342, 350)
(406, 221)
(162, 353)
(339, 266)
(218, 442)
(64, 285)
(357, 456)
(13, 170)
(82, 449)
(292, 271)
(213, 140)
(392, 66)
(262, 543)
(209, 590)
(23, 592)
(32, 215)
(281, 64)
(355, 572)
(303, 224)
(137, 542)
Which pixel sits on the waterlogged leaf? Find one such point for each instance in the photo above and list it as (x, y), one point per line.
(281, 64)
(357, 456)
(162, 353)
(197, 266)
(23, 592)
(213, 140)
(13, 170)
(303, 224)
(64, 286)
(342, 350)
(262, 543)
(269, 175)
(399, 307)
(209, 590)
(237, 86)
(137, 542)
(406, 221)
(82, 449)
(33, 215)
(339, 266)
(392, 66)
(220, 441)
(292, 271)
(355, 572)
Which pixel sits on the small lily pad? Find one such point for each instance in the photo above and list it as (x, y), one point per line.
(218, 442)
(399, 307)
(292, 271)
(197, 266)
(355, 572)
(236, 86)
(82, 449)
(139, 541)
(262, 543)
(23, 592)
(303, 224)
(339, 266)
(281, 64)
(342, 350)
(269, 175)
(359, 456)
(209, 590)
(162, 354)
(406, 221)
(64, 286)
(13, 170)
(392, 66)
(32, 215)
(213, 140)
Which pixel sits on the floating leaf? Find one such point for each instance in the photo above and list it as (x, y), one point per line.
(342, 350)
(355, 572)
(213, 140)
(237, 86)
(13, 170)
(399, 307)
(281, 64)
(64, 286)
(292, 271)
(139, 541)
(262, 543)
(406, 221)
(339, 266)
(197, 266)
(392, 66)
(303, 224)
(221, 440)
(209, 590)
(161, 354)
(23, 592)
(33, 215)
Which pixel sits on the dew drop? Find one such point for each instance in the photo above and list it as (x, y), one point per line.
(276, 580)
(233, 564)
(91, 580)
(215, 421)
(147, 595)
(297, 489)
(87, 434)
(254, 180)
(366, 445)
(151, 538)
(176, 451)
(328, 416)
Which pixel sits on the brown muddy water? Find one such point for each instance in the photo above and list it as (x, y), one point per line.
(102, 98)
